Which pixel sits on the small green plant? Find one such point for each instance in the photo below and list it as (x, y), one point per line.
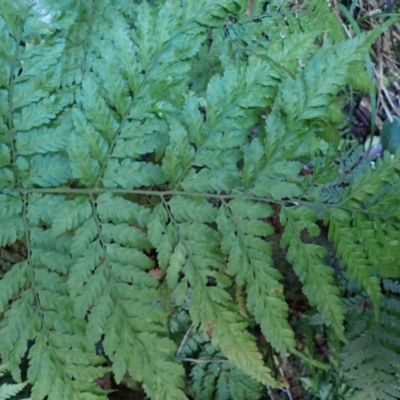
(370, 361)
(145, 148)
(8, 390)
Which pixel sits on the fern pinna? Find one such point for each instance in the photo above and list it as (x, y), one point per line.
(137, 136)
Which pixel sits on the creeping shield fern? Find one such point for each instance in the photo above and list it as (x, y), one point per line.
(144, 148)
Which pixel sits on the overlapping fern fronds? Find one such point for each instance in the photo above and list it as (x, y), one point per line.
(117, 160)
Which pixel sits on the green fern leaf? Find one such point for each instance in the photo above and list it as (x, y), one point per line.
(370, 360)
(9, 390)
(45, 171)
(308, 263)
(41, 141)
(140, 181)
(219, 380)
(250, 260)
(71, 215)
(210, 181)
(129, 174)
(11, 229)
(228, 333)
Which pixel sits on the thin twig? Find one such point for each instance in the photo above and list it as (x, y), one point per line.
(270, 394)
(183, 341)
(287, 388)
(200, 361)
(193, 360)
(387, 95)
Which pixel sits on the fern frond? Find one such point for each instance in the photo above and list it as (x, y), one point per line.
(118, 168)
(319, 14)
(190, 251)
(365, 259)
(9, 390)
(371, 360)
(221, 380)
(308, 263)
(249, 259)
(107, 265)
(228, 333)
